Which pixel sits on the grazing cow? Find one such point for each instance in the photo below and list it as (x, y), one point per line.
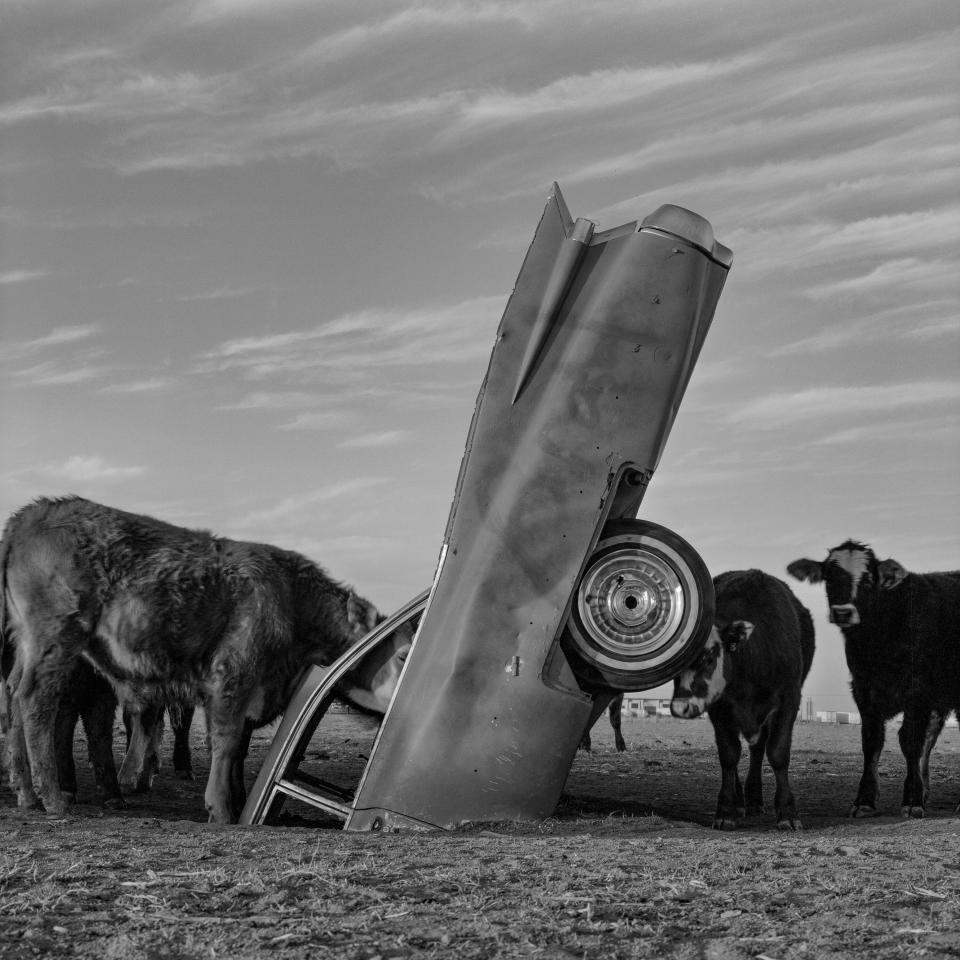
(369, 687)
(164, 614)
(749, 679)
(901, 635)
(615, 712)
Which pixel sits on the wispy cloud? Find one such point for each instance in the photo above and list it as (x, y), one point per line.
(832, 403)
(357, 343)
(57, 337)
(317, 420)
(384, 438)
(266, 400)
(917, 322)
(220, 293)
(150, 385)
(21, 276)
(895, 431)
(910, 273)
(292, 507)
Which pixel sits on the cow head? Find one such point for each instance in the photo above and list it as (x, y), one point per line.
(852, 575)
(371, 683)
(703, 683)
(362, 615)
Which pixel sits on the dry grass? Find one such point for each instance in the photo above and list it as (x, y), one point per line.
(603, 879)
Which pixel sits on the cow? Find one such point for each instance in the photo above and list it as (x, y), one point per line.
(164, 613)
(901, 636)
(615, 712)
(748, 679)
(368, 687)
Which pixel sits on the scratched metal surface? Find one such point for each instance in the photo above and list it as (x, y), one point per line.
(488, 715)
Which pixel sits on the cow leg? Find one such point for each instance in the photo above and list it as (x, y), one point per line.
(38, 697)
(144, 725)
(238, 790)
(98, 716)
(226, 744)
(913, 736)
(67, 716)
(600, 704)
(17, 758)
(616, 721)
(181, 718)
(753, 806)
(778, 753)
(730, 798)
(934, 728)
(871, 738)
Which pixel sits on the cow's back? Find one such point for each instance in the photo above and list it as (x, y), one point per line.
(782, 642)
(152, 597)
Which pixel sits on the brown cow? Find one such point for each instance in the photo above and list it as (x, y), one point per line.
(165, 614)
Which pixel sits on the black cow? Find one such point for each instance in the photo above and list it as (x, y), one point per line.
(615, 712)
(749, 679)
(901, 635)
(165, 614)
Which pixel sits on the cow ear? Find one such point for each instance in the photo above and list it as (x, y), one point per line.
(361, 613)
(891, 574)
(809, 570)
(736, 633)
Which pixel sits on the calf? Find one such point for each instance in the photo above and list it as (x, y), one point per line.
(749, 679)
(163, 613)
(615, 712)
(901, 636)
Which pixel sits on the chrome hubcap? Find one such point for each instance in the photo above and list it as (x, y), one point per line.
(631, 601)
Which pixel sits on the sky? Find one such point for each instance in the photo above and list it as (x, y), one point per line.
(254, 253)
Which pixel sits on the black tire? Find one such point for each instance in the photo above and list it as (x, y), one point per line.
(642, 611)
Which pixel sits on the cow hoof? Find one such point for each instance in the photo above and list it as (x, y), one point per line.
(908, 812)
(862, 810)
(724, 823)
(29, 802)
(794, 824)
(115, 803)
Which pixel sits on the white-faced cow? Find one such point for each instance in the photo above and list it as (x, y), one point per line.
(901, 634)
(164, 614)
(749, 679)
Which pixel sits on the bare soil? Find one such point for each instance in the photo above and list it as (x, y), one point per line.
(628, 867)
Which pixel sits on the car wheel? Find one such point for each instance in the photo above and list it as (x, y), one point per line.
(643, 608)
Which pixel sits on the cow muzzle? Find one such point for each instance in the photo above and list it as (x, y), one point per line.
(844, 615)
(685, 708)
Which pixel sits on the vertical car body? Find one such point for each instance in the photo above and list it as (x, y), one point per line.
(549, 596)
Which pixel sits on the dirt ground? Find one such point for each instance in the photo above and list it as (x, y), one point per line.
(628, 867)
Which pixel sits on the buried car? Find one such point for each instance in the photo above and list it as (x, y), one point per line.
(550, 597)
